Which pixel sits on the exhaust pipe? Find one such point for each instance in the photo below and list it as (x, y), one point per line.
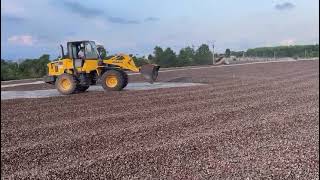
(150, 72)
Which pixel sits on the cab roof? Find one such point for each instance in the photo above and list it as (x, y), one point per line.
(80, 41)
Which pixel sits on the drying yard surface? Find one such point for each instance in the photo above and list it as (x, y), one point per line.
(252, 121)
(130, 87)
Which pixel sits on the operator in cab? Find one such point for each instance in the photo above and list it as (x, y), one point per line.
(81, 52)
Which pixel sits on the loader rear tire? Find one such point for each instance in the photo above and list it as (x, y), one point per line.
(66, 84)
(113, 80)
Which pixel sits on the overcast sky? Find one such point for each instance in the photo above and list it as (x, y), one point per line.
(34, 27)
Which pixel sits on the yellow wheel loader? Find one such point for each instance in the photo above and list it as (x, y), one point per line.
(83, 66)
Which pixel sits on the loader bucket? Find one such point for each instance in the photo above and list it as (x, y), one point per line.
(150, 72)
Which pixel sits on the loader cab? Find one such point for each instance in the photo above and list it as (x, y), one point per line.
(89, 52)
(90, 49)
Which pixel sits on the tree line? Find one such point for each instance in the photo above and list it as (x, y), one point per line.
(29, 68)
(188, 56)
(203, 56)
(296, 51)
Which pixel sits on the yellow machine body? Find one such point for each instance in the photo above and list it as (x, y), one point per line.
(75, 72)
(65, 65)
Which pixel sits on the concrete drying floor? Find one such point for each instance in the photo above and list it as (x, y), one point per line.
(54, 92)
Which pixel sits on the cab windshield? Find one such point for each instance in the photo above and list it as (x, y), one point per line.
(91, 50)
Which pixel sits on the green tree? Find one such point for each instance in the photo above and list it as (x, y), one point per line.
(164, 58)
(285, 51)
(158, 53)
(203, 55)
(102, 51)
(9, 70)
(186, 57)
(29, 68)
(227, 53)
(150, 57)
(42, 68)
(139, 61)
(168, 58)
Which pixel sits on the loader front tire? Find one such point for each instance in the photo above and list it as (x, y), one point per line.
(66, 84)
(112, 80)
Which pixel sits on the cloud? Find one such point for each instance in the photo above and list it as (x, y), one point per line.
(12, 8)
(122, 20)
(284, 6)
(151, 19)
(21, 40)
(88, 12)
(288, 42)
(12, 18)
(81, 10)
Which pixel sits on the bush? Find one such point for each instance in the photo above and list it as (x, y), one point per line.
(29, 68)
